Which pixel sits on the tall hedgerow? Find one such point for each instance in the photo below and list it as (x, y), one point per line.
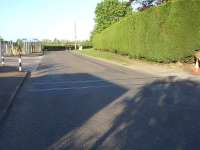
(167, 33)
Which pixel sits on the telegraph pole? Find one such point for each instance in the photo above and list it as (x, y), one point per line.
(75, 36)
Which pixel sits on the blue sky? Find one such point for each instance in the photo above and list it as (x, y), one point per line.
(46, 19)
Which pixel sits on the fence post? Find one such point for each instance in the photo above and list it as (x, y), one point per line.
(2, 55)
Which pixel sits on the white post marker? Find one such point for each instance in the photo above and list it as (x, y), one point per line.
(2, 60)
(20, 63)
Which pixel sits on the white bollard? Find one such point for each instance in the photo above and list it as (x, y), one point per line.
(20, 63)
(2, 60)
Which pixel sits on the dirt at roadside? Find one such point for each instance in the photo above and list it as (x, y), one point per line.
(176, 69)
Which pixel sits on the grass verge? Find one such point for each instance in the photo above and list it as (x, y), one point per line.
(106, 55)
(137, 63)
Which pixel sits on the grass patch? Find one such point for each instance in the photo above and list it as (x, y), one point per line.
(106, 55)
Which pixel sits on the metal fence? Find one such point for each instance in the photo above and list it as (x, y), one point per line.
(30, 47)
(9, 48)
(3, 48)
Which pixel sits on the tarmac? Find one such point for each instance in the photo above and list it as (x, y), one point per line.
(11, 81)
(76, 102)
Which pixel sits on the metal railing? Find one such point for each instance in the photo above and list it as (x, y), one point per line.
(9, 48)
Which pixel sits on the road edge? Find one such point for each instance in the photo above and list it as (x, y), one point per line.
(112, 62)
(182, 75)
(13, 96)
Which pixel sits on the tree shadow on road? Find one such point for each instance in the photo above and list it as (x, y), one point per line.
(80, 111)
(163, 115)
(53, 105)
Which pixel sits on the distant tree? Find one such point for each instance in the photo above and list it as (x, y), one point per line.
(56, 41)
(108, 12)
(19, 43)
(144, 4)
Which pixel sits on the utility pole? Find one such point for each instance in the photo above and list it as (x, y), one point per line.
(75, 36)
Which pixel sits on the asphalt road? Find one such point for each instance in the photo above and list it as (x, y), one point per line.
(29, 63)
(75, 102)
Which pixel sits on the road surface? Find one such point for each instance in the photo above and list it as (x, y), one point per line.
(74, 102)
(28, 63)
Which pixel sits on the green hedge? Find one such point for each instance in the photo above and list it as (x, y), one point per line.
(61, 48)
(165, 34)
(53, 48)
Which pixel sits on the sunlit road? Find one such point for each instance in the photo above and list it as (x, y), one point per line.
(75, 102)
(28, 63)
